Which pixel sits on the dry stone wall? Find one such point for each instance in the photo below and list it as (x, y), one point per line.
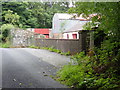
(21, 37)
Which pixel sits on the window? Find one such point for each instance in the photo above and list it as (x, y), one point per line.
(67, 36)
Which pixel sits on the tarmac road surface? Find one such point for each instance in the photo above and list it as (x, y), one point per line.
(30, 68)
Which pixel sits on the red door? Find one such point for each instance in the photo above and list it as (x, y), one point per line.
(74, 36)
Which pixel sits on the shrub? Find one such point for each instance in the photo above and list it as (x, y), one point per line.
(5, 29)
(5, 45)
(87, 72)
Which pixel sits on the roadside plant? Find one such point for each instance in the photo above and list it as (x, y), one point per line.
(33, 46)
(89, 72)
(6, 44)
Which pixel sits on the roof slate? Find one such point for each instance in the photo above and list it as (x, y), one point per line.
(77, 27)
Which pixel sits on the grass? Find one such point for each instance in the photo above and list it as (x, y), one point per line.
(52, 50)
(34, 47)
(5, 45)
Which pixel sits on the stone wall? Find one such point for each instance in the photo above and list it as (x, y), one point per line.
(21, 37)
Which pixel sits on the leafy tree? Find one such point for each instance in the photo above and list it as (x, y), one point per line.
(33, 14)
(108, 16)
(11, 18)
(108, 13)
(5, 30)
(101, 70)
(29, 15)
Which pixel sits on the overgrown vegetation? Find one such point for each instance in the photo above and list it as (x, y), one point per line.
(5, 32)
(5, 45)
(100, 67)
(32, 46)
(88, 72)
(5, 36)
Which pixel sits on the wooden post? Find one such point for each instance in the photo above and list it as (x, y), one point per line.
(82, 39)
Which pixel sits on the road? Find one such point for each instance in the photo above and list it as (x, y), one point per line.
(30, 68)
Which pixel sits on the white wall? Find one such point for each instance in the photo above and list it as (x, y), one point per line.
(70, 35)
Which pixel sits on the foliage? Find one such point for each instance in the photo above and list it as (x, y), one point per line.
(11, 18)
(86, 74)
(65, 53)
(5, 31)
(107, 15)
(31, 14)
(102, 69)
(32, 46)
(5, 45)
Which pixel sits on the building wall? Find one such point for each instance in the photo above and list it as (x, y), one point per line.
(70, 35)
(60, 25)
(55, 24)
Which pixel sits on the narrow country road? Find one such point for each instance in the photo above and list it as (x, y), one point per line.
(30, 68)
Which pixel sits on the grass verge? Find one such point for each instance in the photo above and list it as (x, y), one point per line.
(5, 45)
(52, 50)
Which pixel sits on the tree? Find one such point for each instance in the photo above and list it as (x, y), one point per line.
(29, 15)
(5, 31)
(108, 13)
(11, 18)
(33, 15)
(106, 61)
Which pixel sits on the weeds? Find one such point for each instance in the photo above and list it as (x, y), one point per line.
(34, 47)
(52, 50)
(5, 45)
(86, 73)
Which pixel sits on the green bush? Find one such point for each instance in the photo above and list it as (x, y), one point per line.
(5, 45)
(5, 30)
(87, 72)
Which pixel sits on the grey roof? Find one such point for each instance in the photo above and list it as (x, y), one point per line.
(64, 15)
(68, 16)
(77, 27)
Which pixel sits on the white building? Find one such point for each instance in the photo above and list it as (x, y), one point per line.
(64, 25)
(72, 33)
